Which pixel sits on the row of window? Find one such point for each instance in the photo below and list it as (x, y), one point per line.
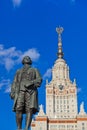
(63, 126)
(64, 116)
(65, 97)
(60, 105)
(64, 110)
(65, 102)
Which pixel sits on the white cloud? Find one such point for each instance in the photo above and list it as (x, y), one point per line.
(48, 73)
(16, 3)
(11, 56)
(6, 84)
(32, 53)
(8, 89)
(9, 63)
(1, 46)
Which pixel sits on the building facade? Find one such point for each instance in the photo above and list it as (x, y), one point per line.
(61, 99)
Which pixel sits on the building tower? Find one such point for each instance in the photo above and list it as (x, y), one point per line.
(61, 99)
(61, 93)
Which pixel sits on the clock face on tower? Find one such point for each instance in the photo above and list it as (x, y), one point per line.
(61, 87)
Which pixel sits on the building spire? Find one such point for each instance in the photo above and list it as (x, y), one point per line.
(82, 111)
(59, 30)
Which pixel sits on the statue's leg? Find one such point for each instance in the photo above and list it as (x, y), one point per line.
(19, 109)
(19, 119)
(28, 119)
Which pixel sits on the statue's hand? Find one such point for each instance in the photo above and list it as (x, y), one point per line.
(22, 85)
(29, 84)
(12, 95)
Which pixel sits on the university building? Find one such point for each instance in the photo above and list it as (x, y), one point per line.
(61, 99)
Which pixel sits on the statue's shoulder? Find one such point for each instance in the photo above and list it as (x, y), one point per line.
(19, 71)
(33, 69)
(36, 70)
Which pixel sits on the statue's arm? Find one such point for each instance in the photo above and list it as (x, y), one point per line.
(38, 80)
(13, 86)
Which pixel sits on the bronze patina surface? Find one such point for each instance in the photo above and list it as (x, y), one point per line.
(24, 92)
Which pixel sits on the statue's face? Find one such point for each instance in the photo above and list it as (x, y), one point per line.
(27, 60)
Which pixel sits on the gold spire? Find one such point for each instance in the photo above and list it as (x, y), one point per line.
(59, 30)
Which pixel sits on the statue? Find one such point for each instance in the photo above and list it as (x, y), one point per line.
(24, 92)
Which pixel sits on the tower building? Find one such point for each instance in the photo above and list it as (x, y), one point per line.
(61, 99)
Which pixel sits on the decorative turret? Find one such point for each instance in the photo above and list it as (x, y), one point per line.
(82, 111)
(60, 52)
(41, 111)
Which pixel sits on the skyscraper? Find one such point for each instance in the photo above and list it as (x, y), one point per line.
(61, 99)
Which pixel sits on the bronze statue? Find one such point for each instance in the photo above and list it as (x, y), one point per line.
(24, 92)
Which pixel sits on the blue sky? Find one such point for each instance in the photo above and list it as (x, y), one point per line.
(28, 27)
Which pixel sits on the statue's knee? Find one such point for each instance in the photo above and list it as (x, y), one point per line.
(19, 114)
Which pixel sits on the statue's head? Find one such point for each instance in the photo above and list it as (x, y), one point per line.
(27, 60)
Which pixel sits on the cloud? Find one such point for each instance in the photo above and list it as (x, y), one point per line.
(48, 73)
(16, 3)
(79, 90)
(6, 84)
(32, 53)
(11, 56)
(8, 89)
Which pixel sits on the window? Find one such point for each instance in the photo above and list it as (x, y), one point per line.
(40, 128)
(82, 124)
(83, 128)
(64, 101)
(67, 106)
